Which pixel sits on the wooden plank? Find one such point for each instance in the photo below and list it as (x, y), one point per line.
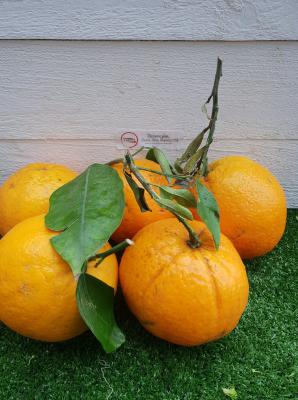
(278, 155)
(149, 20)
(55, 89)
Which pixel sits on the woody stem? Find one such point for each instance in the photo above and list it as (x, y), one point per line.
(194, 149)
(212, 123)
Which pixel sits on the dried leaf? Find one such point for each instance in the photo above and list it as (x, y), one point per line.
(230, 392)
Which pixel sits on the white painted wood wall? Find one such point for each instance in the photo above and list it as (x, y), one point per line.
(103, 67)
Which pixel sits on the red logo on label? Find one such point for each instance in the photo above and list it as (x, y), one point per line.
(129, 139)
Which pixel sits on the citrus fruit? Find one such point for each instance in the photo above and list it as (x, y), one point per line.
(252, 204)
(183, 295)
(26, 193)
(133, 219)
(37, 290)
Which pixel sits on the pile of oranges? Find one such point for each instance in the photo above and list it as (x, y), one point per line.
(183, 295)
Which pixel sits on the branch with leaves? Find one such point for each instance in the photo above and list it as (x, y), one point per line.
(194, 160)
(186, 171)
(165, 198)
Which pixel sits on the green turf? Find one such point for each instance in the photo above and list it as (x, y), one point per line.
(258, 358)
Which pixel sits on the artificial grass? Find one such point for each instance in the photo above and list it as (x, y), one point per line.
(259, 358)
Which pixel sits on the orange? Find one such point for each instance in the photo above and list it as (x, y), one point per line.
(252, 204)
(183, 295)
(133, 219)
(37, 290)
(26, 193)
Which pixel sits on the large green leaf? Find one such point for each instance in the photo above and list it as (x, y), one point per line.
(88, 210)
(208, 210)
(95, 301)
(182, 196)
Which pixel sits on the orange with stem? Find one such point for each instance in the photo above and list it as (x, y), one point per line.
(183, 295)
(177, 284)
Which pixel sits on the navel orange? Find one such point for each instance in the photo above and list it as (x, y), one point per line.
(26, 193)
(37, 288)
(133, 219)
(183, 295)
(252, 204)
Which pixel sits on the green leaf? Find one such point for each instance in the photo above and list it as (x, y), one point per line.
(175, 208)
(192, 148)
(159, 156)
(177, 167)
(138, 192)
(208, 210)
(230, 392)
(193, 160)
(88, 209)
(151, 156)
(95, 301)
(182, 196)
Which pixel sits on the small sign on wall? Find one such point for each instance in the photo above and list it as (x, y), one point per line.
(168, 140)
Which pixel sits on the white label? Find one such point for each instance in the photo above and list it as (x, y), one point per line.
(159, 139)
(168, 140)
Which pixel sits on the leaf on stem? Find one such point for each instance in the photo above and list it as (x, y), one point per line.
(192, 147)
(95, 301)
(138, 192)
(194, 161)
(159, 157)
(88, 210)
(208, 210)
(182, 196)
(150, 155)
(174, 207)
